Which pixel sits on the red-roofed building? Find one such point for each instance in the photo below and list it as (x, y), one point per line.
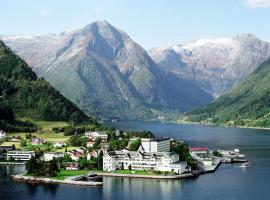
(198, 150)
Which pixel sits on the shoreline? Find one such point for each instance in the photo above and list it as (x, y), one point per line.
(169, 177)
(72, 181)
(221, 126)
(44, 180)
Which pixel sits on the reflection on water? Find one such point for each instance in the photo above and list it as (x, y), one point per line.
(140, 188)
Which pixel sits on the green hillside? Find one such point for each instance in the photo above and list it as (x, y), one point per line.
(246, 105)
(23, 94)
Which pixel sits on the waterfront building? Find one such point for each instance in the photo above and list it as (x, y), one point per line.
(198, 150)
(2, 134)
(7, 148)
(155, 145)
(20, 155)
(50, 155)
(235, 154)
(136, 160)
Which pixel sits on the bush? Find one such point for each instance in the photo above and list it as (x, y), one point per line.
(69, 131)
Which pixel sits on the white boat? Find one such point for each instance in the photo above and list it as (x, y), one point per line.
(246, 164)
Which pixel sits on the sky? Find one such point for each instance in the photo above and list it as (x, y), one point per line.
(151, 23)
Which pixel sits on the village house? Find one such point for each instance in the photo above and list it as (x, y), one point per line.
(75, 155)
(72, 166)
(92, 154)
(38, 141)
(50, 155)
(59, 144)
(136, 160)
(90, 143)
(2, 134)
(95, 135)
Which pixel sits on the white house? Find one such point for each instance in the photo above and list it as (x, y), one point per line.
(50, 155)
(95, 135)
(92, 154)
(59, 144)
(2, 134)
(20, 155)
(72, 167)
(38, 141)
(155, 145)
(136, 160)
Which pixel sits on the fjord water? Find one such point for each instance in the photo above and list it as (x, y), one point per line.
(228, 182)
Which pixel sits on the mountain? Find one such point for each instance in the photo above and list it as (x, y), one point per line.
(107, 74)
(246, 105)
(23, 94)
(215, 65)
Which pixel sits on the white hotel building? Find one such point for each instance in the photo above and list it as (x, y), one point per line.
(159, 161)
(155, 145)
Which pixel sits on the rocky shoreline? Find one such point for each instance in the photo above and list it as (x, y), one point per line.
(43, 180)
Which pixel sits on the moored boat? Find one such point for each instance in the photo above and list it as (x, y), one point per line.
(246, 164)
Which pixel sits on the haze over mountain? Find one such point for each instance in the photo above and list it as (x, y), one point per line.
(215, 65)
(106, 73)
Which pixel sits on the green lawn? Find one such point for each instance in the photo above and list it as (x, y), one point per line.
(17, 144)
(66, 173)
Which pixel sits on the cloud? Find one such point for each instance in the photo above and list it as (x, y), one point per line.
(258, 3)
(44, 12)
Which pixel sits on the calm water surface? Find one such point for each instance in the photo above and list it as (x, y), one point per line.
(228, 182)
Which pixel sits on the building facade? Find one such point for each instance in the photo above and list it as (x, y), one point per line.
(2, 134)
(20, 155)
(155, 145)
(59, 144)
(95, 135)
(50, 155)
(136, 160)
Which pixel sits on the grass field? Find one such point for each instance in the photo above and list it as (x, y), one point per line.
(66, 173)
(46, 126)
(45, 132)
(17, 144)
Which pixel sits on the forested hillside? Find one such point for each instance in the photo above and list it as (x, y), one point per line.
(23, 94)
(246, 105)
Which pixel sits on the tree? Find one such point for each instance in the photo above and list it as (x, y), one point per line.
(135, 145)
(23, 143)
(69, 131)
(100, 160)
(53, 167)
(31, 165)
(96, 145)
